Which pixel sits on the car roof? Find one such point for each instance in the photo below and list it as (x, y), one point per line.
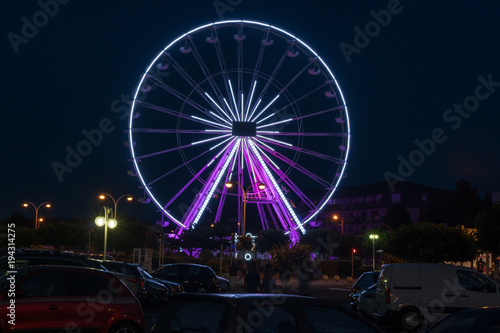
(235, 297)
(62, 268)
(184, 264)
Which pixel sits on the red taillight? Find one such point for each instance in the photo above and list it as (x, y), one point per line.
(387, 295)
(134, 280)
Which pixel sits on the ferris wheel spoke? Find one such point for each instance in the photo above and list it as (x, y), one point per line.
(184, 98)
(275, 71)
(341, 135)
(204, 196)
(308, 202)
(177, 168)
(298, 167)
(295, 101)
(301, 150)
(198, 174)
(221, 61)
(275, 185)
(179, 131)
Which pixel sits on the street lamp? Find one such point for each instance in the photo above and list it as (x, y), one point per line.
(104, 195)
(336, 217)
(48, 205)
(106, 222)
(373, 237)
(261, 187)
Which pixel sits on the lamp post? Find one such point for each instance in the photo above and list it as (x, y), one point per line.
(47, 204)
(106, 222)
(336, 217)
(373, 237)
(104, 195)
(261, 187)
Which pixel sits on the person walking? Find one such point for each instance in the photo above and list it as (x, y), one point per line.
(252, 280)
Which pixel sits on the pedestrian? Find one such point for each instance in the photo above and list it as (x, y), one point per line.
(252, 279)
(268, 284)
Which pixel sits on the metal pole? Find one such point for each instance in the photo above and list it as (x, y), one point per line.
(373, 253)
(105, 233)
(36, 217)
(352, 263)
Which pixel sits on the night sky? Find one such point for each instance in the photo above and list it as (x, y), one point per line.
(421, 80)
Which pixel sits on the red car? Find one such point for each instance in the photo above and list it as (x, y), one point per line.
(69, 299)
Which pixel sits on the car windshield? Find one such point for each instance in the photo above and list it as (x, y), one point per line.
(144, 273)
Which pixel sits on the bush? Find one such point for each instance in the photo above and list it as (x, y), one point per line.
(328, 267)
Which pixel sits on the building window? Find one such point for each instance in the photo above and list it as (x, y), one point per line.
(396, 197)
(424, 197)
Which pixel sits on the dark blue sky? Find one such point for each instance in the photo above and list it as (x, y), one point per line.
(404, 83)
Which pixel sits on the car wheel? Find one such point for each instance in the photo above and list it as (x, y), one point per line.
(410, 319)
(125, 328)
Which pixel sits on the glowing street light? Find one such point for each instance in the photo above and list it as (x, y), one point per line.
(261, 187)
(47, 205)
(104, 195)
(106, 222)
(373, 237)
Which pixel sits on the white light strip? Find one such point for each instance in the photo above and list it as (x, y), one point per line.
(250, 100)
(223, 131)
(264, 144)
(255, 108)
(234, 99)
(276, 187)
(276, 123)
(230, 109)
(270, 160)
(267, 106)
(212, 139)
(214, 185)
(217, 105)
(210, 122)
(217, 145)
(264, 132)
(242, 107)
(283, 143)
(224, 120)
(272, 114)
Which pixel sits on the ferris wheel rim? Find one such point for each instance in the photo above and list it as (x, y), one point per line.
(217, 24)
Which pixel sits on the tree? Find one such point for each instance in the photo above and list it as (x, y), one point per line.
(487, 223)
(431, 242)
(397, 215)
(290, 256)
(64, 233)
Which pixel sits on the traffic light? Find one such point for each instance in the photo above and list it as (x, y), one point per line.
(354, 251)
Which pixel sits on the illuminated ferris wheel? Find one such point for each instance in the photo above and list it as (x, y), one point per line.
(242, 102)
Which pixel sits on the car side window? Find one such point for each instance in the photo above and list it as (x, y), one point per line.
(475, 282)
(323, 319)
(271, 318)
(43, 284)
(82, 283)
(169, 272)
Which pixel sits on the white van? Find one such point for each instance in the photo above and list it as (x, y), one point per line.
(410, 295)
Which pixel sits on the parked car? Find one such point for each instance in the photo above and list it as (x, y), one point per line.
(194, 277)
(366, 302)
(484, 320)
(366, 280)
(146, 288)
(410, 295)
(202, 312)
(136, 282)
(64, 298)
